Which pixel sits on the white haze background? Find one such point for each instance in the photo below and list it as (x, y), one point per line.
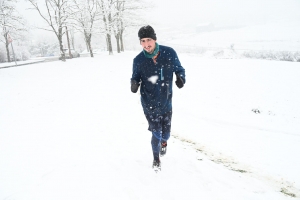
(256, 21)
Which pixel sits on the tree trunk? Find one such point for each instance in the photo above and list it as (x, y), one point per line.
(7, 52)
(109, 34)
(72, 38)
(6, 46)
(62, 53)
(106, 43)
(68, 41)
(109, 46)
(107, 19)
(88, 42)
(121, 41)
(118, 42)
(91, 52)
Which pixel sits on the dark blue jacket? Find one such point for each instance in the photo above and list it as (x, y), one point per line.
(156, 95)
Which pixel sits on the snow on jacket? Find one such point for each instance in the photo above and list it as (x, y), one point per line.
(157, 79)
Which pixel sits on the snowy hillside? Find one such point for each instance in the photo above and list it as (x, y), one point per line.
(73, 130)
(235, 41)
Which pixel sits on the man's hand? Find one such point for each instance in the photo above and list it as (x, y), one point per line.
(179, 81)
(134, 86)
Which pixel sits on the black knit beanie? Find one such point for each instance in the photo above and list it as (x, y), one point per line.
(147, 32)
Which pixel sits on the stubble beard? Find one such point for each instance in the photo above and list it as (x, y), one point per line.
(150, 51)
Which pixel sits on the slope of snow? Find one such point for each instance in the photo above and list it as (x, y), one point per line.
(276, 36)
(73, 130)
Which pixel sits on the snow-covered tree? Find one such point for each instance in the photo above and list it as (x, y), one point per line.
(12, 25)
(54, 14)
(118, 15)
(118, 25)
(85, 13)
(107, 7)
(126, 15)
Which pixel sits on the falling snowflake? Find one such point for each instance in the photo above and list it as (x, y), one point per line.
(153, 79)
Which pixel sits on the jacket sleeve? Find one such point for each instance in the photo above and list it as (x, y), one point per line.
(178, 69)
(135, 78)
(136, 75)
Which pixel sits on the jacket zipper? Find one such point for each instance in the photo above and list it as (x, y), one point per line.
(167, 91)
(162, 78)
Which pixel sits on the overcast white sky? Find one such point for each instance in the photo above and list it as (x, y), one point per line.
(219, 12)
(167, 14)
(225, 12)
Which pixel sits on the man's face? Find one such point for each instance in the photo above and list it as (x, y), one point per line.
(148, 44)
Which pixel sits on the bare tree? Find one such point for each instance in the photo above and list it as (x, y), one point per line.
(55, 17)
(118, 23)
(106, 7)
(126, 14)
(85, 13)
(11, 24)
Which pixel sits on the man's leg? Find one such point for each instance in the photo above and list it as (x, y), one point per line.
(155, 126)
(166, 128)
(155, 142)
(165, 137)
(163, 145)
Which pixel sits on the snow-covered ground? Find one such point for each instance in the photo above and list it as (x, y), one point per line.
(73, 130)
(19, 63)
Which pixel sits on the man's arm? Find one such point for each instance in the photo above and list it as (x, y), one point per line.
(136, 78)
(134, 86)
(179, 71)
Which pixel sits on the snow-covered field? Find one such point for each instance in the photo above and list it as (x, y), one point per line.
(73, 130)
(279, 36)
